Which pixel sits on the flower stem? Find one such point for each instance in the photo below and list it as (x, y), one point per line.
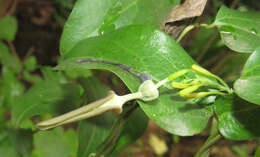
(190, 27)
(212, 139)
(162, 82)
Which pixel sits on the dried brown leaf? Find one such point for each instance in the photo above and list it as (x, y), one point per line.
(189, 9)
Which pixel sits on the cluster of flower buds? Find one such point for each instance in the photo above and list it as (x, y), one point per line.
(189, 86)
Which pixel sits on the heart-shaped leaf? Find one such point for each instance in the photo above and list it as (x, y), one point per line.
(146, 50)
(248, 86)
(240, 31)
(89, 17)
(238, 119)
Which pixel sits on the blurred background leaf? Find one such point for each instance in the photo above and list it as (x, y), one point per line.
(56, 143)
(8, 28)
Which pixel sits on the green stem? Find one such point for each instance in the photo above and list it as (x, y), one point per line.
(212, 139)
(185, 31)
(217, 85)
(230, 91)
(190, 27)
(117, 128)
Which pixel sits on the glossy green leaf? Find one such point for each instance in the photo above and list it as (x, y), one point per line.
(248, 86)
(238, 119)
(90, 17)
(93, 132)
(252, 66)
(240, 31)
(56, 143)
(146, 50)
(8, 28)
(45, 97)
(7, 60)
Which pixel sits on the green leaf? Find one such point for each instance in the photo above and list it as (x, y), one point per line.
(94, 131)
(22, 141)
(8, 28)
(252, 66)
(134, 127)
(30, 63)
(8, 60)
(146, 50)
(238, 119)
(90, 17)
(240, 31)
(257, 153)
(248, 87)
(8, 150)
(11, 86)
(6, 146)
(45, 97)
(49, 74)
(32, 78)
(56, 143)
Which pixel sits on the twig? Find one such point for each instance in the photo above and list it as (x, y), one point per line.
(29, 53)
(4, 7)
(13, 50)
(12, 9)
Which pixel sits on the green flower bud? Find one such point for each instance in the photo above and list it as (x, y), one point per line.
(177, 74)
(201, 70)
(179, 85)
(189, 90)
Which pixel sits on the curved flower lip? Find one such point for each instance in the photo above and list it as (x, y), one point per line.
(92, 109)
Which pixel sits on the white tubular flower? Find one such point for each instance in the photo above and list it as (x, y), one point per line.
(146, 92)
